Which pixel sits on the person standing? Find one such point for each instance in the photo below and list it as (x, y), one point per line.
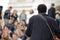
(51, 11)
(23, 16)
(14, 16)
(7, 14)
(10, 26)
(37, 28)
(1, 8)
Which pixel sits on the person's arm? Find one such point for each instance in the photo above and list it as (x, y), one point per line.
(29, 28)
(55, 28)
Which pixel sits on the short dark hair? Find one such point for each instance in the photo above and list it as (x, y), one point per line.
(42, 8)
(7, 26)
(10, 6)
(52, 4)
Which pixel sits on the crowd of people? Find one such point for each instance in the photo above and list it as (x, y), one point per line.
(40, 27)
(13, 29)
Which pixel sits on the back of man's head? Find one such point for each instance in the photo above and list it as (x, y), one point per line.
(42, 8)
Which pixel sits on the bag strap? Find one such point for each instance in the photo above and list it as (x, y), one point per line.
(48, 25)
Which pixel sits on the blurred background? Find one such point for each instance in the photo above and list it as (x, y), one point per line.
(15, 15)
(19, 5)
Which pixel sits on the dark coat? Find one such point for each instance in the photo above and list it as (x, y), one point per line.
(7, 14)
(38, 30)
(14, 17)
(51, 12)
(10, 27)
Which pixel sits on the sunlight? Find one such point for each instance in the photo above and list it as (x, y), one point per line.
(4, 3)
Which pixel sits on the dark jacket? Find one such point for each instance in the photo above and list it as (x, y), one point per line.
(14, 17)
(38, 30)
(7, 14)
(51, 12)
(10, 27)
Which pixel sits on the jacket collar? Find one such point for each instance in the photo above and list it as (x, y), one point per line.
(43, 14)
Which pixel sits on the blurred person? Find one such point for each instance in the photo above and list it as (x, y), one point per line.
(5, 36)
(20, 31)
(6, 33)
(23, 29)
(31, 11)
(23, 16)
(10, 26)
(38, 29)
(15, 37)
(1, 8)
(22, 25)
(7, 14)
(15, 25)
(23, 22)
(6, 29)
(14, 16)
(30, 14)
(51, 11)
(1, 31)
(58, 17)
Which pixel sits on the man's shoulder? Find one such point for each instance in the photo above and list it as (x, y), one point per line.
(50, 18)
(52, 8)
(35, 16)
(6, 10)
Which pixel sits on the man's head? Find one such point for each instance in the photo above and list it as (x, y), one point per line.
(52, 5)
(10, 8)
(14, 11)
(42, 8)
(10, 21)
(23, 11)
(15, 36)
(31, 11)
(16, 23)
